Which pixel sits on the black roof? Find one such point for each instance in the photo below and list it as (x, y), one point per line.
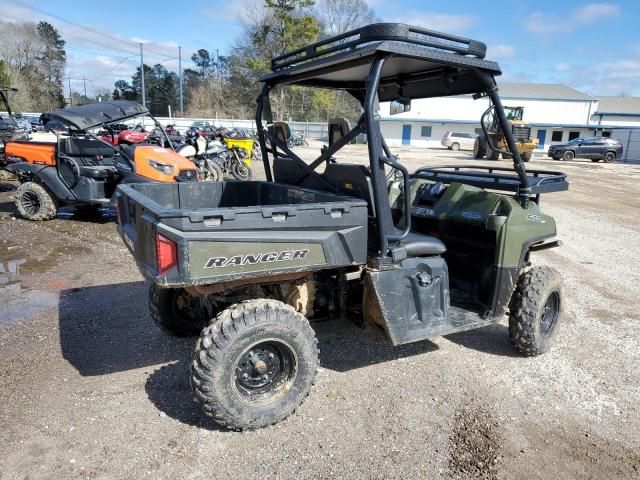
(95, 114)
(420, 63)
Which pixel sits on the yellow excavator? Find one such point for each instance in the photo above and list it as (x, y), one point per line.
(497, 144)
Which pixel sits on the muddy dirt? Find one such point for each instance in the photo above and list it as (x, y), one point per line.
(89, 388)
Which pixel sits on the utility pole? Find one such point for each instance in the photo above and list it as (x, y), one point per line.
(144, 101)
(180, 73)
(84, 82)
(218, 69)
(70, 97)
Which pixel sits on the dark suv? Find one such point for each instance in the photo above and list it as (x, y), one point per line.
(595, 148)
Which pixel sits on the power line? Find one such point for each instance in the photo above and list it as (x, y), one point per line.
(112, 68)
(128, 43)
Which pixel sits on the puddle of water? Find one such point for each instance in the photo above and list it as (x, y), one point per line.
(16, 260)
(19, 300)
(19, 303)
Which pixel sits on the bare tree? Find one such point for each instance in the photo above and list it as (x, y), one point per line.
(339, 16)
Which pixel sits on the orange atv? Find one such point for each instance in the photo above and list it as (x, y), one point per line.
(79, 169)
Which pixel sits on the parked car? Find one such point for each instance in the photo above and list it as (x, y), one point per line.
(459, 140)
(594, 148)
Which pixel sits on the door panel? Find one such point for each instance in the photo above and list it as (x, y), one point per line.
(406, 135)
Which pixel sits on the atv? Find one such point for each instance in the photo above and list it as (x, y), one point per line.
(248, 265)
(81, 170)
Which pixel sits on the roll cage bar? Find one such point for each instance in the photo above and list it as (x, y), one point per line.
(382, 62)
(5, 100)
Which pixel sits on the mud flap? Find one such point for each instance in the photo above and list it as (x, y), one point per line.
(411, 302)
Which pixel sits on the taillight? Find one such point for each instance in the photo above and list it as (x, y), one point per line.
(167, 252)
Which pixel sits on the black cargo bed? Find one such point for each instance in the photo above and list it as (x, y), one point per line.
(230, 230)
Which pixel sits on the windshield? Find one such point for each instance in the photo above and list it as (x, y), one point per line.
(513, 113)
(576, 141)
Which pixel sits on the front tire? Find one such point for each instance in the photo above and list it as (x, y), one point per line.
(254, 365)
(568, 155)
(535, 310)
(34, 202)
(455, 146)
(176, 312)
(492, 154)
(609, 157)
(241, 171)
(526, 156)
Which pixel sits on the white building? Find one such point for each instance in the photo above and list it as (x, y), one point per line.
(557, 113)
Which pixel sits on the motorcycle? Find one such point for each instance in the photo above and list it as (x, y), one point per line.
(197, 149)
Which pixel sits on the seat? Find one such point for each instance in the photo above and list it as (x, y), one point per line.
(418, 245)
(88, 151)
(353, 180)
(286, 169)
(98, 172)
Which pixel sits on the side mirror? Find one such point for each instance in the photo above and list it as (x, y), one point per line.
(400, 105)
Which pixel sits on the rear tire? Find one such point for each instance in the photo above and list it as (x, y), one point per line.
(255, 364)
(609, 157)
(568, 155)
(479, 148)
(526, 156)
(535, 310)
(455, 146)
(492, 154)
(241, 171)
(176, 312)
(507, 156)
(213, 173)
(34, 202)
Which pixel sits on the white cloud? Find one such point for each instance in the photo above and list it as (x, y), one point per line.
(542, 23)
(139, 40)
(500, 52)
(441, 22)
(592, 12)
(101, 56)
(614, 77)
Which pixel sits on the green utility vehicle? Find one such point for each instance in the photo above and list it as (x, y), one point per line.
(247, 265)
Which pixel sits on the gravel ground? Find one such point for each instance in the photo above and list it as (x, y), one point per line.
(89, 388)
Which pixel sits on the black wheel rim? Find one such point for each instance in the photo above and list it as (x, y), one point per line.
(550, 313)
(30, 201)
(608, 157)
(265, 370)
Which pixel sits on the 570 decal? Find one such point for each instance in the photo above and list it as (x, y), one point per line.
(255, 258)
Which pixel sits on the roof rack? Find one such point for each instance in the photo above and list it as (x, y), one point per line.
(379, 32)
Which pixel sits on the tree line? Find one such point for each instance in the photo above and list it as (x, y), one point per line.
(227, 86)
(32, 58)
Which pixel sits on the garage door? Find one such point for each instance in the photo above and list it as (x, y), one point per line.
(630, 139)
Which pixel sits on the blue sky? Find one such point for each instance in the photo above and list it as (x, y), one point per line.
(592, 46)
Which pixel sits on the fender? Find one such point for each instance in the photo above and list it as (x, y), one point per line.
(46, 175)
